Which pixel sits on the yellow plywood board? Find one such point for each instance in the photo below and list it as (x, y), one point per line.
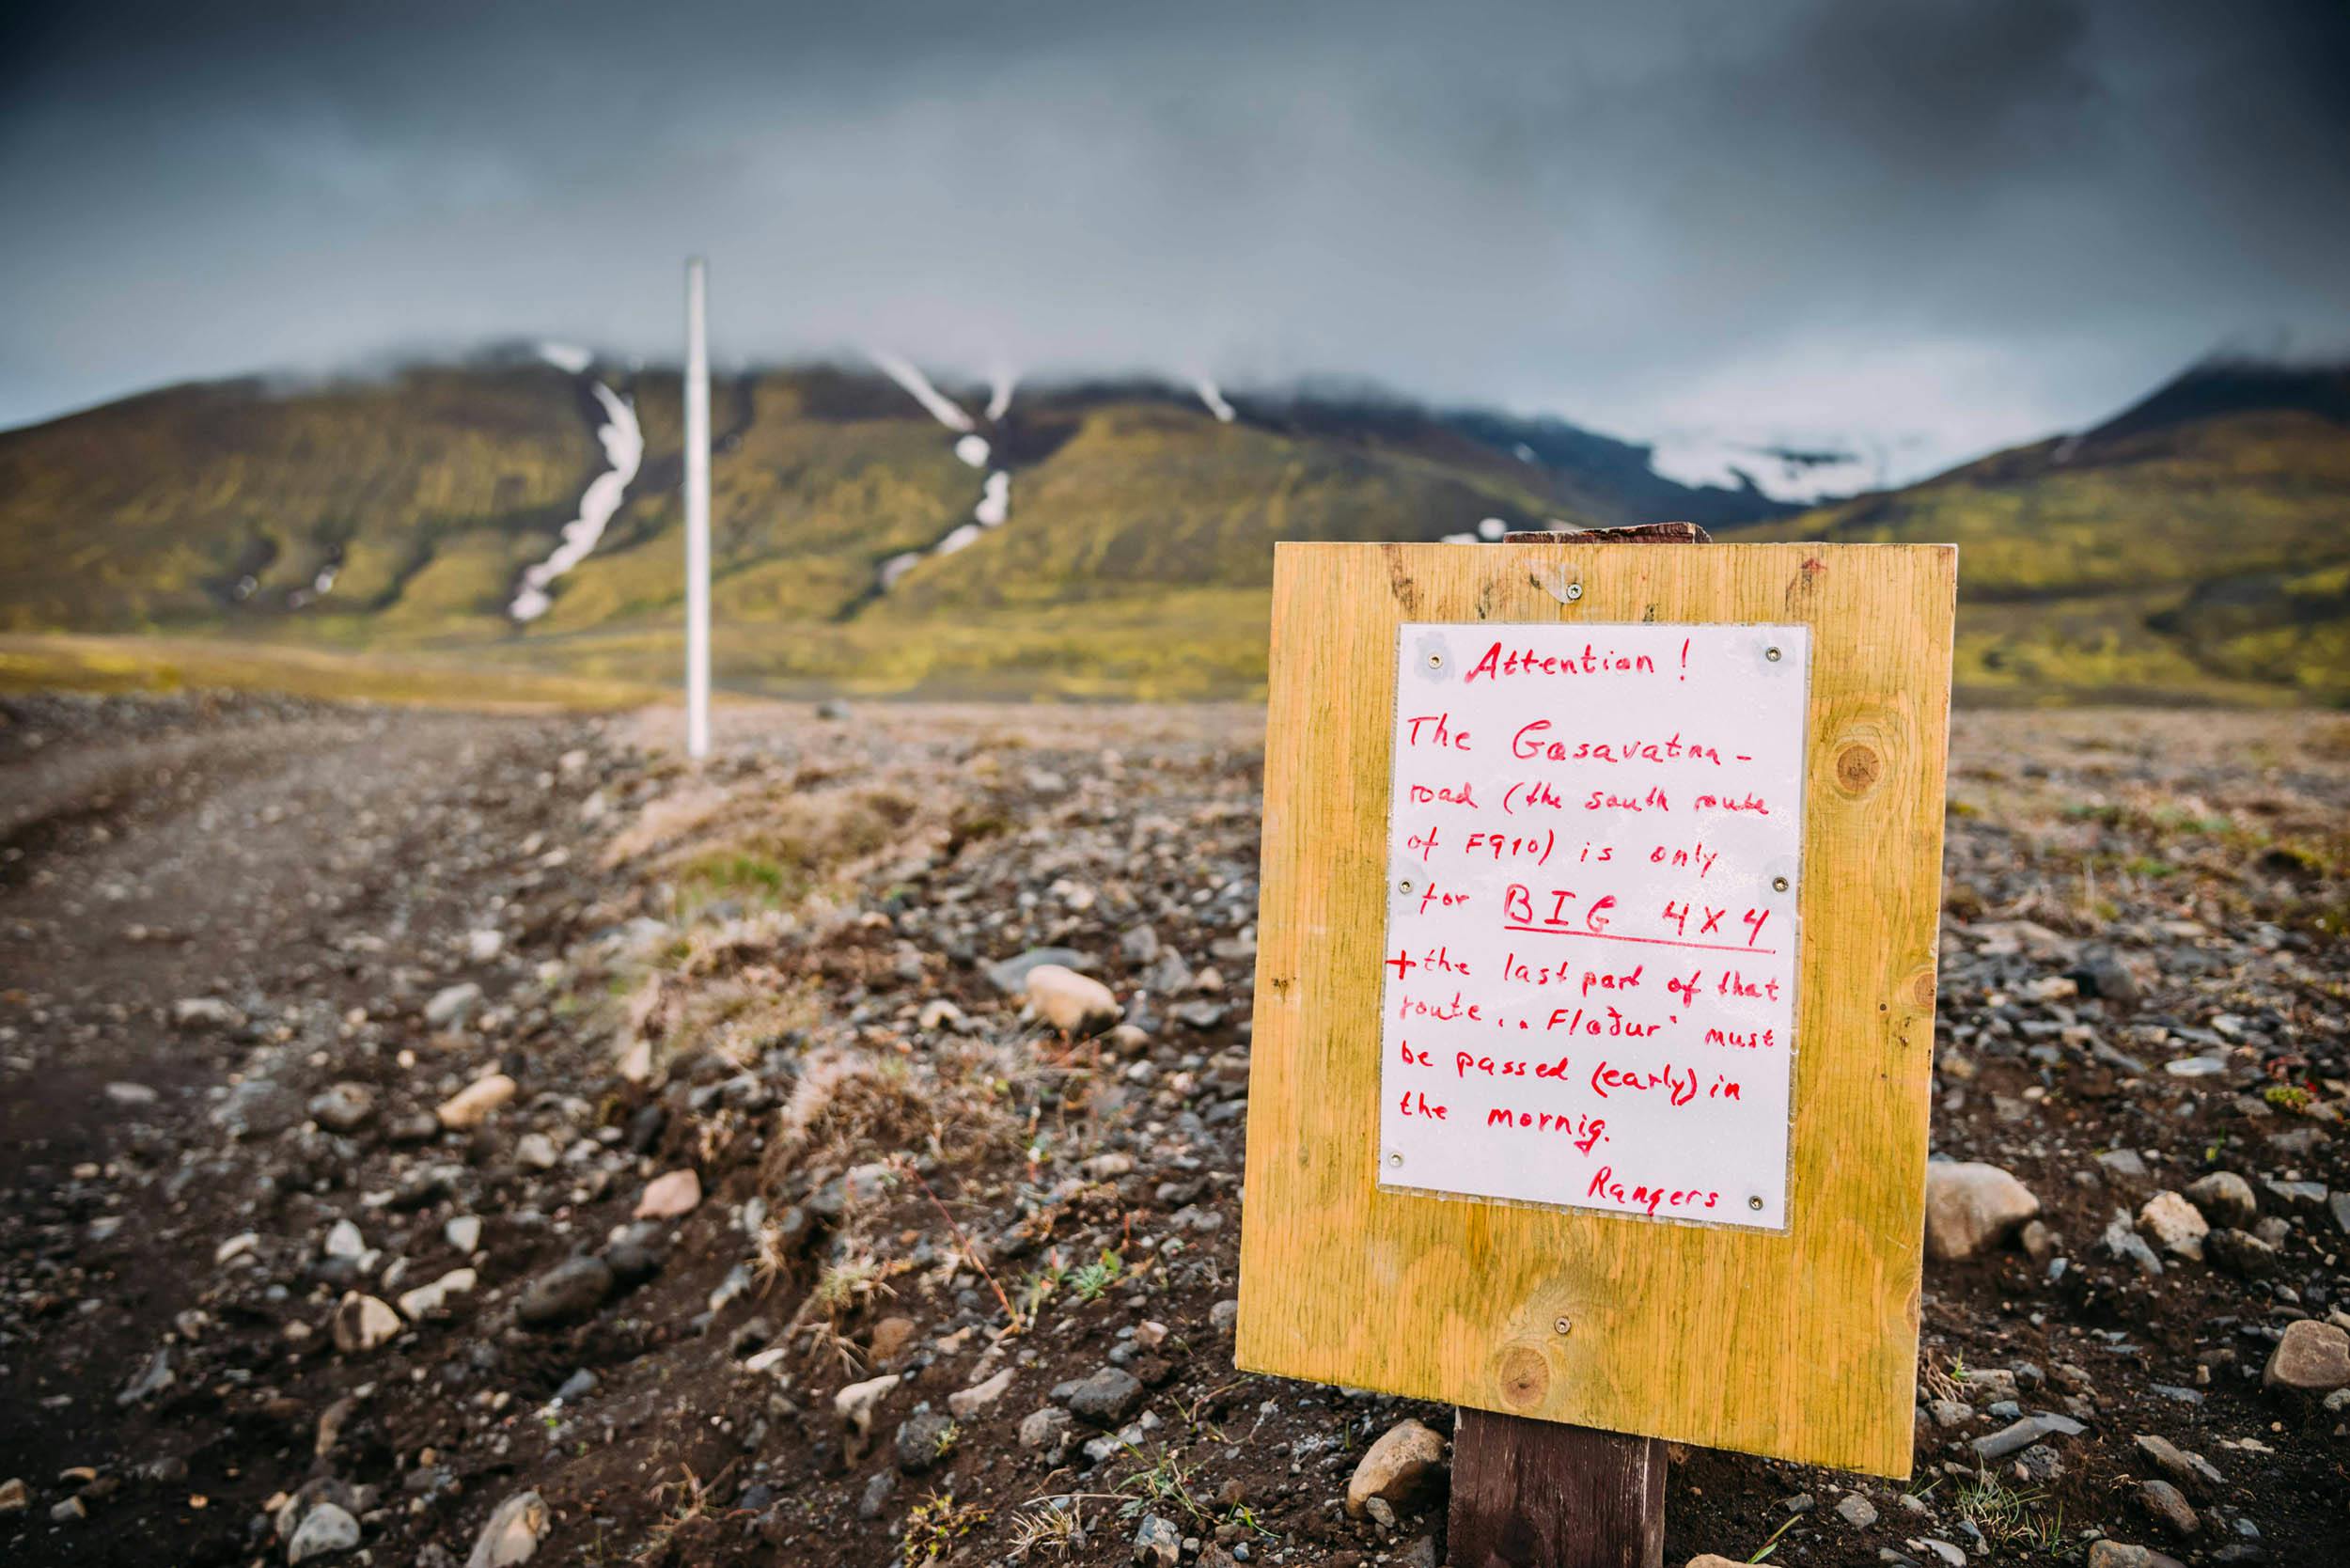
(1800, 1343)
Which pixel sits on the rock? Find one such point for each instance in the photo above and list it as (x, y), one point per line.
(970, 1402)
(325, 1528)
(922, 1440)
(2241, 1253)
(1011, 977)
(1972, 1207)
(2102, 974)
(2114, 1554)
(2023, 1432)
(1224, 1316)
(570, 1291)
(1708, 1559)
(1858, 1511)
(511, 1534)
(156, 1377)
(1071, 1002)
(463, 1231)
(2163, 1501)
(2313, 1358)
(345, 1108)
(890, 1336)
(2173, 1224)
(669, 1195)
(1140, 945)
(1046, 1429)
(2225, 1198)
(484, 946)
(190, 1012)
(536, 1151)
(1157, 1543)
(1106, 1398)
(343, 1240)
(472, 1105)
(876, 1495)
(854, 1407)
(15, 1496)
(425, 1300)
(361, 1323)
(450, 1004)
(2188, 1469)
(1405, 1461)
(2123, 1239)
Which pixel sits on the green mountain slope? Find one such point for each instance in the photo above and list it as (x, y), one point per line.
(2196, 546)
(2198, 543)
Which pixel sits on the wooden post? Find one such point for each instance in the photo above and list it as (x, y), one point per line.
(1543, 1493)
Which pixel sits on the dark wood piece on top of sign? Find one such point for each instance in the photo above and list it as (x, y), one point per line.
(1543, 1494)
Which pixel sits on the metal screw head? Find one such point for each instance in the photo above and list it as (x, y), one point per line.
(1405, 884)
(1436, 661)
(1754, 1202)
(1778, 885)
(1772, 654)
(1563, 1325)
(1394, 1160)
(1574, 591)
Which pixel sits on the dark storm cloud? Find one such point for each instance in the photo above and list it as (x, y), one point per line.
(1935, 225)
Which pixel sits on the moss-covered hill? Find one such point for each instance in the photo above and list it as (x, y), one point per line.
(2197, 546)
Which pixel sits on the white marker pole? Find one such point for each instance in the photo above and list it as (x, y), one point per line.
(696, 517)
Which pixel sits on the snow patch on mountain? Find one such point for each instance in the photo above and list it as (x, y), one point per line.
(1800, 471)
(917, 385)
(567, 357)
(623, 442)
(1212, 396)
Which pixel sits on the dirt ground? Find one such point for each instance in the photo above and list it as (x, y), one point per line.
(489, 1136)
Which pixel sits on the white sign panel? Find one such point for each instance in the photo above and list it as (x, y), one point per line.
(1593, 867)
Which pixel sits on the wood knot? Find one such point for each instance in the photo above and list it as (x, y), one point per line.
(1525, 1379)
(1921, 990)
(1858, 769)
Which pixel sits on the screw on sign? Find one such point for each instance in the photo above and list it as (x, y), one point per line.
(1592, 1108)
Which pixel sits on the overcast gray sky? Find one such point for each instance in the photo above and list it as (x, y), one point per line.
(1937, 227)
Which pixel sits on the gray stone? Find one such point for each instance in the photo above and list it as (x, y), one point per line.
(2123, 1239)
(1011, 976)
(1106, 1398)
(2188, 1469)
(345, 1108)
(450, 1004)
(922, 1440)
(570, 1291)
(2241, 1253)
(1858, 1511)
(2163, 1501)
(2225, 1198)
(1157, 1543)
(2021, 1435)
(1046, 1429)
(326, 1529)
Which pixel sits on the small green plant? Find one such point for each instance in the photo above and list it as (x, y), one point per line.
(936, 1524)
(948, 1436)
(1091, 1281)
(1764, 1550)
(2287, 1097)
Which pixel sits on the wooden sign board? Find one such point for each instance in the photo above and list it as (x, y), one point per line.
(1595, 984)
